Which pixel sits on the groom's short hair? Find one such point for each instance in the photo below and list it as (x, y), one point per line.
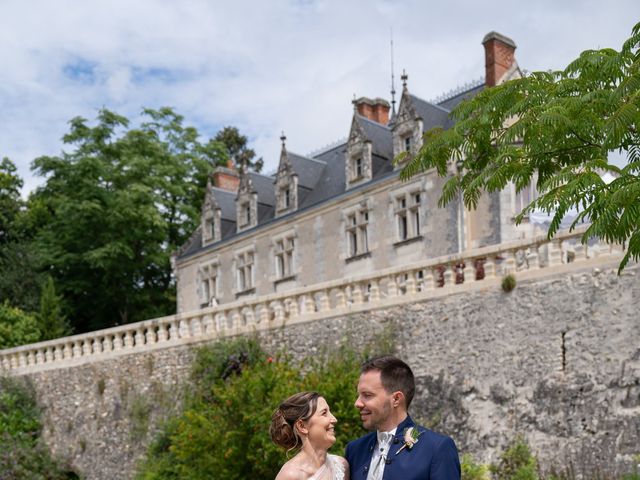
(394, 374)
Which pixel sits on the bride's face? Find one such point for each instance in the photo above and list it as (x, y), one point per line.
(321, 426)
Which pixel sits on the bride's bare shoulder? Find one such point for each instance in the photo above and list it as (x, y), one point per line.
(290, 471)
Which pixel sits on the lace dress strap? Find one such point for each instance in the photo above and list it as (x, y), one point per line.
(337, 467)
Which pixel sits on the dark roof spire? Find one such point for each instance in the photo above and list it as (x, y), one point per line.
(393, 82)
(283, 139)
(404, 78)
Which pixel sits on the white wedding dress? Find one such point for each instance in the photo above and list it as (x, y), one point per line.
(333, 469)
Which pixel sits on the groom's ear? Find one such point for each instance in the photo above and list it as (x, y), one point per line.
(398, 399)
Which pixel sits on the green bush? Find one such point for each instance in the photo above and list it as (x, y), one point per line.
(23, 456)
(17, 327)
(472, 470)
(508, 283)
(224, 429)
(516, 463)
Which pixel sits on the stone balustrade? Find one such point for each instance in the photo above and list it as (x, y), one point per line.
(432, 277)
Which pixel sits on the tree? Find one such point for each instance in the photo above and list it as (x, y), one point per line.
(555, 129)
(10, 201)
(119, 202)
(237, 150)
(52, 321)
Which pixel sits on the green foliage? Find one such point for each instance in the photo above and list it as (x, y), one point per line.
(508, 283)
(236, 149)
(23, 456)
(516, 463)
(10, 201)
(224, 430)
(554, 129)
(17, 327)
(52, 321)
(20, 279)
(114, 207)
(472, 470)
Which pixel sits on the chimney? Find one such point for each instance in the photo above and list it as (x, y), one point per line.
(376, 110)
(498, 57)
(226, 178)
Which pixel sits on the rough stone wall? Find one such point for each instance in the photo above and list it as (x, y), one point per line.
(557, 360)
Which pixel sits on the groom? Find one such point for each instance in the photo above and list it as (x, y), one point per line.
(397, 448)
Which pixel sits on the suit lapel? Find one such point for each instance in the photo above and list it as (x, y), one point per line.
(362, 470)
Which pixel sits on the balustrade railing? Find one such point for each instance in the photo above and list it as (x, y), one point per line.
(393, 285)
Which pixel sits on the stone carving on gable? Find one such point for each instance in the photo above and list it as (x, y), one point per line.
(210, 217)
(246, 203)
(286, 184)
(358, 162)
(407, 126)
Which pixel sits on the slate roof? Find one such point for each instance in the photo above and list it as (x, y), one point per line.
(380, 136)
(452, 102)
(309, 170)
(432, 115)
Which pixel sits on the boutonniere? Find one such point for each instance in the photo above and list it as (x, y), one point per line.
(411, 436)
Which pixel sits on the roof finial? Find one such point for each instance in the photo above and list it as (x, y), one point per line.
(354, 102)
(393, 83)
(404, 78)
(283, 139)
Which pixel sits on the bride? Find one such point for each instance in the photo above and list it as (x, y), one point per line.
(304, 422)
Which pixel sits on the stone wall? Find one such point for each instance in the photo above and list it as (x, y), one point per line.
(557, 359)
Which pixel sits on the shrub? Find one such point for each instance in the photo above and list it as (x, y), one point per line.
(516, 463)
(508, 283)
(224, 429)
(472, 470)
(23, 456)
(17, 327)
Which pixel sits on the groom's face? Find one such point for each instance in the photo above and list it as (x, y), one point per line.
(374, 402)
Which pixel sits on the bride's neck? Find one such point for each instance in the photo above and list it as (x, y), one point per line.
(314, 456)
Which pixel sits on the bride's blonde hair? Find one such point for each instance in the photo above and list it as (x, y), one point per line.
(300, 406)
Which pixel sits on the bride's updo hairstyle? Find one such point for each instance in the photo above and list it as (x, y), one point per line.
(300, 406)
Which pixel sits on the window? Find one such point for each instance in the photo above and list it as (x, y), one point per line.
(284, 257)
(524, 197)
(357, 223)
(408, 215)
(407, 143)
(286, 198)
(357, 168)
(244, 263)
(247, 213)
(208, 285)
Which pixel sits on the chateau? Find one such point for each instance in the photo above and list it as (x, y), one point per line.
(344, 210)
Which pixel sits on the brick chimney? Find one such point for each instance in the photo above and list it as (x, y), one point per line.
(376, 110)
(498, 57)
(226, 178)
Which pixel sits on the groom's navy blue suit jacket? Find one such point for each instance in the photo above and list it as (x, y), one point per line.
(433, 457)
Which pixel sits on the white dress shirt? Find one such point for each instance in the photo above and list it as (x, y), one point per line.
(380, 453)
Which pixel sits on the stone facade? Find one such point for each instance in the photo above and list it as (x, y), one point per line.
(557, 360)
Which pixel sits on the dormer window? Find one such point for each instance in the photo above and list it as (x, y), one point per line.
(358, 159)
(210, 217)
(246, 204)
(286, 184)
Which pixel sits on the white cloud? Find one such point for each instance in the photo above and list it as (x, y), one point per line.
(262, 66)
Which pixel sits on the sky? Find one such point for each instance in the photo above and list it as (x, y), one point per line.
(262, 66)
